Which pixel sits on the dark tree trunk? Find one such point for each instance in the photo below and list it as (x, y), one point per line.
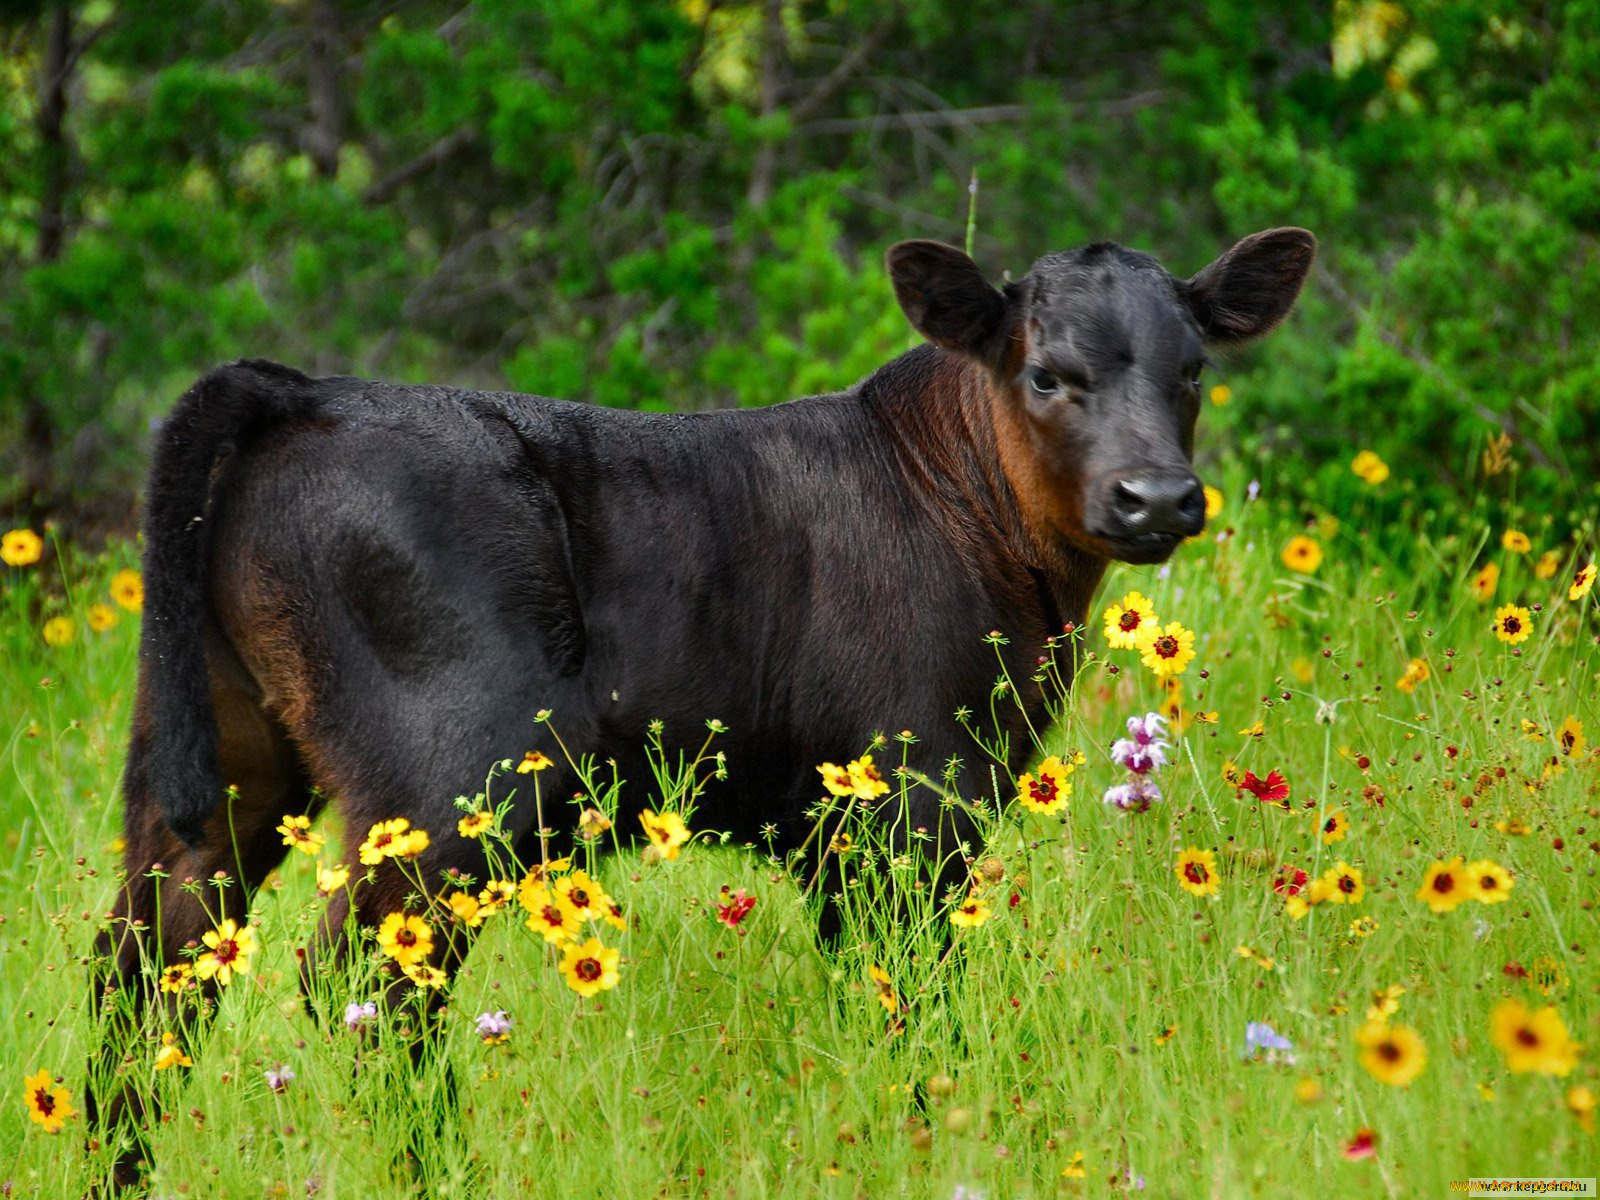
(324, 135)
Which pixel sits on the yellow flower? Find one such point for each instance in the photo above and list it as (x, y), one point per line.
(21, 548)
(1392, 1054)
(588, 898)
(127, 589)
(1232, 775)
(1513, 827)
(1385, 1003)
(1124, 622)
(1488, 881)
(1484, 583)
(171, 1054)
(331, 879)
(884, 988)
(666, 832)
(1533, 1041)
(1513, 624)
(1335, 827)
(58, 631)
(1444, 886)
(836, 779)
(101, 617)
(177, 979)
(1197, 872)
(475, 824)
(48, 1107)
(406, 939)
(392, 839)
(496, 894)
(1075, 1168)
(1569, 738)
(551, 916)
(1343, 884)
(229, 949)
(465, 908)
(1416, 672)
(1048, 793)
(1581, 1104)
(1582, 582)
(865, 780)
(1516, 541)
(1363, 927)
(1307, 1090)
(591, 967)
(1166, 651)
(1221, 394)
(1213, 501)
(592, 824)
(425, 976)
(1372, 469)
(297, 833)
(970, 913)
(534, 760)
(1549, 562)
(1302, 554)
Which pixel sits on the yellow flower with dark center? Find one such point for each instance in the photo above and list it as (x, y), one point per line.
(229, 948)
(405, 938)
(865, 781)
(884, 987)
(48, 1107)
(1048, 792)
(1385, 1003)
(1485, 582)
(496, 894)
(127, 589)
(1569, 738)
(1302, 554)
(836, 779)
(392, 839)
(970, 913)
(591, 967)
(1392, 1054)
(59, 631)
(1363, 927)
(177, 979)
(1335, 827)
(1516, 541)
(611, 913)
(1513, 624)
(588, 898)
(1416, 672)
(464, 906)
(475, 824)
(1344, 884)
(1513, 827)
(1166, 651)
(1547, 566)
(1166, 1034)
(1197, 872)
(1124, 622)
(331, 879)
(1444, 886)
(551, 916)
(534, 760)
(425, 976)
(1582, 582)
(170, 1054)
(1214, 501)
(1232, 774)
(1488, 881)
(297, 833)
(101, 617)
(21, 548)
(1372, 469)
(666, 832)
(1533, 1041)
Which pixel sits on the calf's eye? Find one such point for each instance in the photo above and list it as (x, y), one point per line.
(1042, 381)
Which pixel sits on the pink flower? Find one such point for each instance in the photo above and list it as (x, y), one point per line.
(736, 907)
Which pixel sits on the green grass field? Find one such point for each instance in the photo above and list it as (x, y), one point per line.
(1090, 1035)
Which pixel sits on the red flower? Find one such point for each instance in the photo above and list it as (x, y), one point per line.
(738, 907)
(1274, 789)
(1363, 1145)
(1290, 881)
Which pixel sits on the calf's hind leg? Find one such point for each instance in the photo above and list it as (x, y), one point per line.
(173, 895)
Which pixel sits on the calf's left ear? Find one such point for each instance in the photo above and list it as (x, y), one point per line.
(947, 299)
(1252, 287)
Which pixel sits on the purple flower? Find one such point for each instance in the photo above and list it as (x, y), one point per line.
(1136, 1182)
(494, 1026)
(1147, 728)
(279, 1077)
(357, 1014)
(1141, 760)
(1259, 1036)
(1254, 489)
(1137, 795)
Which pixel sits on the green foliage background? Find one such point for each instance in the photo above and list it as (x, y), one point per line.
(683, 205)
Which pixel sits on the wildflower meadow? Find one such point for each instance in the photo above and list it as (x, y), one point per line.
(1300, 887)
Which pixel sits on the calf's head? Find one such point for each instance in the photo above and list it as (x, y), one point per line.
(1094, 360)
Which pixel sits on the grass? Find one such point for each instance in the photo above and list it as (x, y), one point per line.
(1100, 1012)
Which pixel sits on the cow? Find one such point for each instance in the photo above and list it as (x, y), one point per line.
(360, 593)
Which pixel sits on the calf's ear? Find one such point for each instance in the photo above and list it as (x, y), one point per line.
(947, 300)
(1252, 287)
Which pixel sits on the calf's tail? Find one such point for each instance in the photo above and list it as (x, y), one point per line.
(178, 729)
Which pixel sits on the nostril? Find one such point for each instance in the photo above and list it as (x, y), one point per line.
(1193, 505)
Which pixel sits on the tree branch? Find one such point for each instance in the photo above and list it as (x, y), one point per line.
(434, 156)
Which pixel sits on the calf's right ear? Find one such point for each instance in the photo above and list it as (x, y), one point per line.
(947, 299)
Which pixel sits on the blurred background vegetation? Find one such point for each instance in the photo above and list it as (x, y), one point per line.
(684, 204)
